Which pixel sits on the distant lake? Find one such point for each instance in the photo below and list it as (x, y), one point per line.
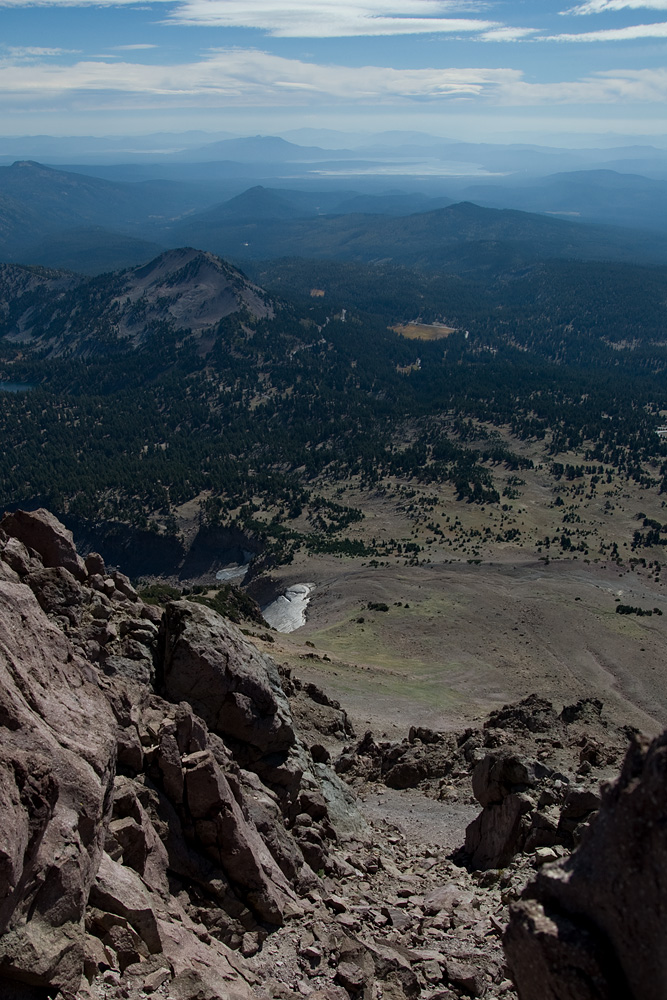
(15, 386)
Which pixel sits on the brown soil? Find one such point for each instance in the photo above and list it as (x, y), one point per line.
(459, 640)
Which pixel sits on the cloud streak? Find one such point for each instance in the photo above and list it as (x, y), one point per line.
(253, 78)
(77, 3)
(36, 51)
(331, 18)
(603, 6)
(507, 34)
(631, 32)
(311, 18)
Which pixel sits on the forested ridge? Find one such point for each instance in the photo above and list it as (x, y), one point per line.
(255, 410)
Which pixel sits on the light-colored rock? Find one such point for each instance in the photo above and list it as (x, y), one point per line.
(55, 778)
(41, 531)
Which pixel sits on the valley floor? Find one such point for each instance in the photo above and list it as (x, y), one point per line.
(458, 640)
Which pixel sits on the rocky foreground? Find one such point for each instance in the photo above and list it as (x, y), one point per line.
(181, 819)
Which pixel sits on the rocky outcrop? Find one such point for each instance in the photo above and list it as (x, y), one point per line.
(314, 712)
(540, 799)
(425, 759)
(230, 684)
(501, 783)
(534, 772)
(57, 760)
(138, 845)
(172, 824)
(593, 925)
(41, 531)
(186, 841)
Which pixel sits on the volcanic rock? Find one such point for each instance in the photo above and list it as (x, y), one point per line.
(593, 925)
(41, 531)
(56, 775)
(229, 683)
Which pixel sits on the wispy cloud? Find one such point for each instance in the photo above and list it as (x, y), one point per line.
(253, 78)
(602, 6)
(629, 33)
(35, 51)
(332, 18)
(78, 3)
(139, 46)
(507, 34)
(312, 18)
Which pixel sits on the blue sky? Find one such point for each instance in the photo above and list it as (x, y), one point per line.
(468, 68)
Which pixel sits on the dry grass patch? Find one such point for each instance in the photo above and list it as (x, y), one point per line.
(423, 331)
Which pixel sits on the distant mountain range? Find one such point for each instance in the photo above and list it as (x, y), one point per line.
(55, 217)
(462, 237)
(88, 224)
(587, 195)
(312, 146)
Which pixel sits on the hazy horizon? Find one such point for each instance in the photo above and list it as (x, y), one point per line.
(469, 70)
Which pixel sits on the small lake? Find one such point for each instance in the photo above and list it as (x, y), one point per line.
(15, 386)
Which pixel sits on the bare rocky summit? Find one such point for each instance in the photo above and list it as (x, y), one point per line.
(184, 819)
(180, 290)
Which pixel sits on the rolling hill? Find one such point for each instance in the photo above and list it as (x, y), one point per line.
(463, 238)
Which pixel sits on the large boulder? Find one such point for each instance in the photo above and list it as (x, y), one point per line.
(42, 531)
(57, 750)
(500, 783)
(233, 842)
(595, 925)
(208, 663)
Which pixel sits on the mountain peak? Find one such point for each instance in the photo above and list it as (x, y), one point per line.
(186, 289)
(193, 288)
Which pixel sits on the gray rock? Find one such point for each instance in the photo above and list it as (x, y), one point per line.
(169, 762)
(232, 842)
(123, 585)
(593, 926)
(498, 775)
(41, 531)
(465, 976)
(498, 833)
(56, 773)
(95, 564)
(232, 686)
(119, 890)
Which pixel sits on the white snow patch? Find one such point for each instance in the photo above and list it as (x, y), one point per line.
(231, 572)
(288, 612)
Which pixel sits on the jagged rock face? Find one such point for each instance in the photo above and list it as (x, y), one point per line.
(164, 821)
(233, 687)
(57, 758)
(41, 531)
(594, 925)
(157, 870)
